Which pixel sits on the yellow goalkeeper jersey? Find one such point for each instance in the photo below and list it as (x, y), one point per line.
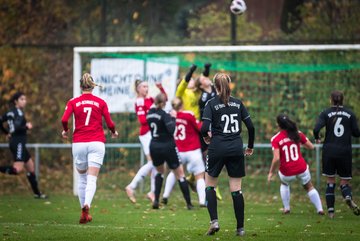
(189, 97)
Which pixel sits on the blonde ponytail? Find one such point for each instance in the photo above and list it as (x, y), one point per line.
(87, 83)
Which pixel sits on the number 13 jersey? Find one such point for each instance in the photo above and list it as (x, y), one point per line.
(88, 112)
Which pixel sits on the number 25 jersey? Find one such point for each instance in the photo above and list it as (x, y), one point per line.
(88, 112)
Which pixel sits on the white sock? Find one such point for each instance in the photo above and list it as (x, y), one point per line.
(90, 189)
(315, 199)
(285, 196)
(143, 171)
(81, 188)
(169, 184)
(200, 188)
(152, 179)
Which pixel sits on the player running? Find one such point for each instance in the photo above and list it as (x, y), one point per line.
(341, 124)
(142, 106)
(163, 148)
(88, 146)
(225, 113)
(286, 149)
(17, 135)
(188, 143)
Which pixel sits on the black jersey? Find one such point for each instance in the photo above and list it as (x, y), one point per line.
(204, 98)
(340, 124)
(226, 123)
(162, 125)
(16, 122)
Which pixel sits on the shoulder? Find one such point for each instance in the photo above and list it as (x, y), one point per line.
(187, 113)
(277, 135)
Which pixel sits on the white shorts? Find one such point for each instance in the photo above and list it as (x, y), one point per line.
(145, 142)
(193, 160)
(304, 177)
(88, 154)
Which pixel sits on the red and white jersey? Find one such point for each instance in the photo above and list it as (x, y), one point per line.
(142, 106)
(187, 133)
(88, 112)
(291, 160)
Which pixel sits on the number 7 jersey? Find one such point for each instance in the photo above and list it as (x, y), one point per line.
(88, 112)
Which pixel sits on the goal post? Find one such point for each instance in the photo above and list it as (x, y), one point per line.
(270, 79)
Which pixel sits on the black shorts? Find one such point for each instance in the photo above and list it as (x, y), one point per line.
(161, 153)
(235, 165)
(18, 150)
(341, 166)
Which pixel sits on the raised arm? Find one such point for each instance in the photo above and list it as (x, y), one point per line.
(184, 82)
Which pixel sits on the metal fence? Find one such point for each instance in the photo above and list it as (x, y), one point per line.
(38, 146)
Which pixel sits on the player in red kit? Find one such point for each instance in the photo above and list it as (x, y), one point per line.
(286, 148)
(88, 146)
(142, 105)
(188, 143)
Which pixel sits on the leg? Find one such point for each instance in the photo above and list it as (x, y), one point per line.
(169, 185)
(238, 203)
(285, 197)
(30, 168)
(92, 174)
(330, 196)
(211, 203)
(314, 197)
(347, 194)
(200, 188)
(82, 182)
(180, 176)
(159, 178)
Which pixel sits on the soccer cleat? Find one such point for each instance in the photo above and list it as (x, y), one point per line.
(189, 206)
(353, 206)
(155, 205)
(331, 215)
(151, 196)
(40, 196)
(203, 205)
(130, 193)
(218, 194)
(286, 211)
(214, 227)
(85, 216)
(164, 201)
(240, 232)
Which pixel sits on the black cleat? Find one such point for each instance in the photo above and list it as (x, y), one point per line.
(164, 201)
(189, 206)
(353, 206)
(214, 227)
(40, 196)
(240, 232)
(155, 205)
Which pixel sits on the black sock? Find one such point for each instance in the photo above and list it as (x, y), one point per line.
(330, 197)
(211, 202)
(8, 170)
(33, 182)
(185, 190)
(346, 191)
(158, 184)
(238, 201)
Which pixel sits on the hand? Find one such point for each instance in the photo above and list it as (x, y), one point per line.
(248, 151)
(270, 175)
(65, 134)
(207, 69)
(318, 141)
(29, 125)
(159, 84)
(190, 72)
(207, 139)
(114, 135)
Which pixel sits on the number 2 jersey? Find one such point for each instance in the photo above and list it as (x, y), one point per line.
(340, 124)
(88, 112)
(187, 134)
(291, 161)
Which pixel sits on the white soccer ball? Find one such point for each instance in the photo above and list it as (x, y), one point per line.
(238, 7)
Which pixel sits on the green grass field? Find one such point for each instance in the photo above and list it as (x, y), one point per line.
(115, 218)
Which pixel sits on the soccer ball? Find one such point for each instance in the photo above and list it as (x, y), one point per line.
(238, 7)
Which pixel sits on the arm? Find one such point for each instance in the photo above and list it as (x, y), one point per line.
(110, 124)
(308, 145)
(184, 82)
(162, 90)
(319, 124)
(169, 123)
(206, 72)
(251, 130)
(2, 120)
(65, 118)
(274, 163)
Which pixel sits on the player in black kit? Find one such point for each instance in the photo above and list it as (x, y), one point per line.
(225, 113)
(16, 132)
(163, 149)
(340, 124)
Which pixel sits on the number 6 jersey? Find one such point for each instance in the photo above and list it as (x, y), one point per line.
(340, 125)
(88, 112)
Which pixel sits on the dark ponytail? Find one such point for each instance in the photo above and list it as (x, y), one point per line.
(337, 98)
(285, 123)
(222, 86)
